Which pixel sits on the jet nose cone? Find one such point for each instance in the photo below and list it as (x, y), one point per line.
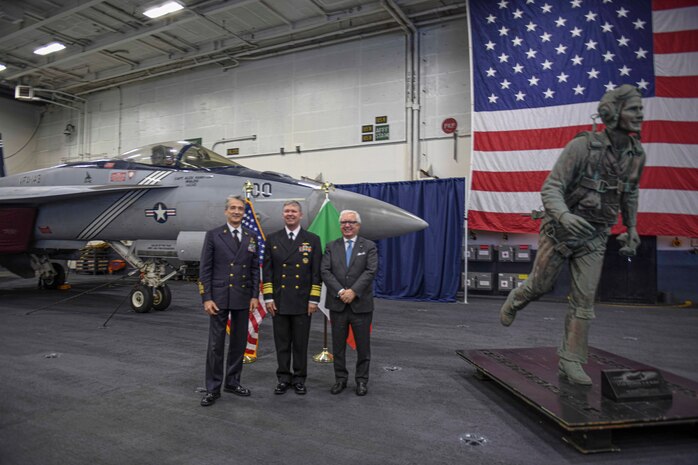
(379, 220)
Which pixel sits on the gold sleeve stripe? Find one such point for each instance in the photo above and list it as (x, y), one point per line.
(201, 288)
(315, 290)
(268, 288)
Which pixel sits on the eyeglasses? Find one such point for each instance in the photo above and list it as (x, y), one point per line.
(348, 222)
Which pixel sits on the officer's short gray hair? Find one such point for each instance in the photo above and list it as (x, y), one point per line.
(234, 197)
(295, 203)
(343, 212)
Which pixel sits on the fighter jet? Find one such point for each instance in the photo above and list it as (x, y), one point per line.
(152, 205)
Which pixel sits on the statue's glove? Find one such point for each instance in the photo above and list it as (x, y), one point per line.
(630, 240)
(577, 225)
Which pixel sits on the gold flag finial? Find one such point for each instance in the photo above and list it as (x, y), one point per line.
(326, 187)
(249, 187)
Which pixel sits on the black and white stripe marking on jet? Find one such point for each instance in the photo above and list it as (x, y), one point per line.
(107, 216)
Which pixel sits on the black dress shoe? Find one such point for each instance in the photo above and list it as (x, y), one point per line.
(338, 387)
(209, 398)
(300, 389)
(281, 388)
(237, 390)
(361, 389)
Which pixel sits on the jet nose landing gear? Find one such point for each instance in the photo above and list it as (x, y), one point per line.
(162, 297)
(141, 298)
(144, 297)
(151, 292)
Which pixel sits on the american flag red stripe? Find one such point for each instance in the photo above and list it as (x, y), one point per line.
(676, 42)
(654, 177)
(677, 87)
(659, 5)
(527, 139)
(515, 146)
(255, 320)
(509, 182)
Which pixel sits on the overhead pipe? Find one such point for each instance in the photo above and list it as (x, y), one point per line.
(428, 22)
(314, 46)
(321, 36)
(233, 139)
(412, 81)
(321, 149)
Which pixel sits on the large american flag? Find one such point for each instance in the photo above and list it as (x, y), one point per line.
(539, 70)
(249, 220)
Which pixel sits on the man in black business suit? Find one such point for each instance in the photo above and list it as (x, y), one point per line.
(229, 285)
(348, 268)
(291, 277)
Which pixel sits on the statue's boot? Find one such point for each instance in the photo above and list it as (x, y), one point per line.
(573, 352)
(507, 313)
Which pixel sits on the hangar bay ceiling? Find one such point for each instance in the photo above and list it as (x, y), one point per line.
(110, 43)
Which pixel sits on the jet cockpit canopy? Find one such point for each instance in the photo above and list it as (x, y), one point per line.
(177, 154)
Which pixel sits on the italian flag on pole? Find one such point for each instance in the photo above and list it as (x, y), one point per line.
(326, 225)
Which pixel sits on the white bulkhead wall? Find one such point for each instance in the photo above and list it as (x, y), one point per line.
(317, 100)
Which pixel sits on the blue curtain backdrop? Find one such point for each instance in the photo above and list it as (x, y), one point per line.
(425, 265)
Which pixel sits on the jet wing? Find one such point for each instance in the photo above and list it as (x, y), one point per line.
(45, 194)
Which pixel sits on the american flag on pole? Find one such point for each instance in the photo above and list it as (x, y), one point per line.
(249, 220)
(539, 69)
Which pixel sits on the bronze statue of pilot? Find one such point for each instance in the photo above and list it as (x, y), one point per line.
(595, 178)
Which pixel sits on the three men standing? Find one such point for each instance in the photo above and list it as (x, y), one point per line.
(292, 270)
(291, 293)
(348, 268)
(229, 285)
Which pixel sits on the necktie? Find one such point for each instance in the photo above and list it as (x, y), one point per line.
(290, 237)
(349, 248)
(236, 239)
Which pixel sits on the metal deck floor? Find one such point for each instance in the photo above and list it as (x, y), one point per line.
(73, 391)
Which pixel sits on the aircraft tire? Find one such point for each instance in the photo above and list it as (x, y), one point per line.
(141, 298)
(162, 297)
(55, 281)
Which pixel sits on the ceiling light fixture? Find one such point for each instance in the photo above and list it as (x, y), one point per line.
(2, 67)
(162, 10)
(49, 48)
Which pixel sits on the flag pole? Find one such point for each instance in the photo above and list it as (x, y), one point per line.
(250, 358)
(325, 356)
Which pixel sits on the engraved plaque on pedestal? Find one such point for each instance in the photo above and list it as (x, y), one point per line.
(634, 385)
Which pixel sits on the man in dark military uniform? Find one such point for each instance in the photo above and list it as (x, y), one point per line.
(291, 276)
(229, 285)
(594, 179)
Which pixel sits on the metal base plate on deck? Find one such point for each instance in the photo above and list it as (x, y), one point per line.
(587, 417)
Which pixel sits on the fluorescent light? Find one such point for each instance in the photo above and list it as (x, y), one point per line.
(2, 67)
(162, 10)
(49, 48)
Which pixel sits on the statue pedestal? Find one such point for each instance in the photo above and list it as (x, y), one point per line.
(587, 416)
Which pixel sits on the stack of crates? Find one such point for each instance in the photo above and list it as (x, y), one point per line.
(475, 280)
